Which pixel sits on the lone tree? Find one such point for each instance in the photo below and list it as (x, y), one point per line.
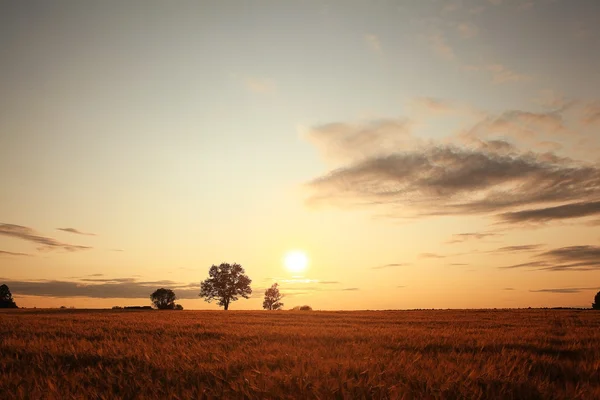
(163, 299)
(273, 298)
(225, 283)
(6, 300)
(596, 304)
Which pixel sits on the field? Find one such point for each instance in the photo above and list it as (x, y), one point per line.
(518, 354)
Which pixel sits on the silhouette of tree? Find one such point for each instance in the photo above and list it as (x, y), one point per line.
(178, 307)
(225, 283)
(163, 299)
(302, 308)
(6, 300)
(273, 298)
(596, 304)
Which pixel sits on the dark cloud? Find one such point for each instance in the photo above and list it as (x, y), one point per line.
(114, 288)
(25, 233)
(570, 258)
(463, 237)
(10, 253)
(394, 265)
(486, 176)
(73, 230)
(518, 249)
(565, 290)
(573, 210)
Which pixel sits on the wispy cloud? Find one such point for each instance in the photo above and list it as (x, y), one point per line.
(374, 43)
(431, 255)
(570, 258)
(258, 85)
(10, 253)
(467, 30)
(394, 265)
(500, 73)
(566, 211)
(565, 290)
(463, 237)
(28, 234)
(441, 47)
(352, 289)
(518, 249)
(73, 230)
(508, 288)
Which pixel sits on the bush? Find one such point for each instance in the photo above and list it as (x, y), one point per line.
(302, 308)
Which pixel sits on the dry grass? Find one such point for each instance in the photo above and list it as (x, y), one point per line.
(525, 354)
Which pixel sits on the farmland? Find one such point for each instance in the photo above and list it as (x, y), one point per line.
(510, 354)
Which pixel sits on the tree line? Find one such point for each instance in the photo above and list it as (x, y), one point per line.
(225, 283)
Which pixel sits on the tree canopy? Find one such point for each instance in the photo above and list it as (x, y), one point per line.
(226, 283)
(596, 303)
(6, 300)
(163, 299)
(273, 298)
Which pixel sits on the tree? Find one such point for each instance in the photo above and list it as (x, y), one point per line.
(178, 307)
(163, 299)
(596, 305)
(225, 283)
(6, 300)
(273, 298)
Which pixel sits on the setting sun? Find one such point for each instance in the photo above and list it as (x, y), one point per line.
(295, 261)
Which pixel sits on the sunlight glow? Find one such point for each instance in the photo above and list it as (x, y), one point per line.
(295, 261)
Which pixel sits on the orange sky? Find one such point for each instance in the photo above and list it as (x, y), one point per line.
(421, 154)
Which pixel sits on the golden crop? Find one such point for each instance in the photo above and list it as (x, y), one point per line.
(105, 354)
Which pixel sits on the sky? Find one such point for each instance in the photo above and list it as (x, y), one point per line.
(421, 154)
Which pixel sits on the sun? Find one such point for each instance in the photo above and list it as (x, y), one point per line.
(295, 261)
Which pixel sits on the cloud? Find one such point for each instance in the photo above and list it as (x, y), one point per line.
(500, 73)
(467, 30)
(518, 249)
(431, 255)
(591, 113)
(352, 289)
(25, 233)
(570, 258)
(566, 211)
(262, 86)
(127, 288)
(345, 141)
(459, 264)
(441, 47)
(10, 253)
(508, 288)
(451, 180)
(328, 282)
(390, 266)
(463, 237)
(528, 5)
(565, 290)
(374, 43)
(73, 230)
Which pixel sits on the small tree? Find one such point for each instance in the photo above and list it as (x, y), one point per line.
(226, 283)
(596, 304)
(6, 300)
(178, 307)
(273, 298)
(163, 299)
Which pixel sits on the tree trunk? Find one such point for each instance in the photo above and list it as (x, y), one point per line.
(226, 305)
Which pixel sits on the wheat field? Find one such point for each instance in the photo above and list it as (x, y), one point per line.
(487, 354)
